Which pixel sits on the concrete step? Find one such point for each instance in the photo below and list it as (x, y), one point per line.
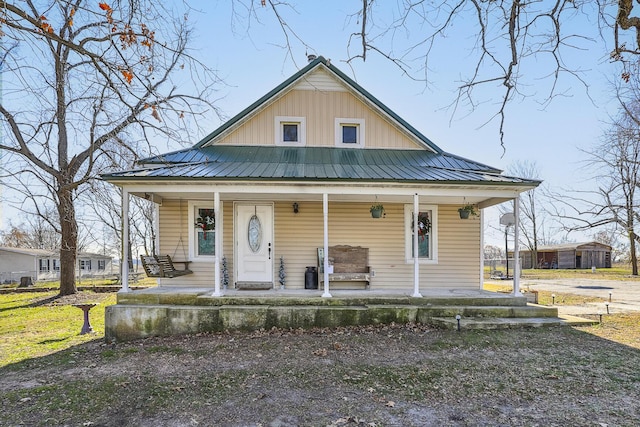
(530, 310)
(467, 323)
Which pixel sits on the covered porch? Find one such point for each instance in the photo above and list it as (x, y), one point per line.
(300, 220)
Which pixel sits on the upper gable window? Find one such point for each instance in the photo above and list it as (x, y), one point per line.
(349, 132)
(290, 131)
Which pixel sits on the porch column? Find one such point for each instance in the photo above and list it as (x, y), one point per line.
(516, 248)
(216, 244)
(416, 265)
(124, 258)
(325, 215)
(481, 249)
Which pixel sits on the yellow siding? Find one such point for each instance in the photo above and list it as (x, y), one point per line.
(297, 237)
(320, 108)
(174, 240)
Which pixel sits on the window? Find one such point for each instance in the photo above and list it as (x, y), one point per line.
(43, 264)
(349, 132)
(427, 234)
(202, 231)
(102, 264)
(85, 264)
(290, 131)
(56, 265)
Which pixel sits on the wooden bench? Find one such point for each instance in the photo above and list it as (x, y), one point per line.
(350, 264)
(162, 266)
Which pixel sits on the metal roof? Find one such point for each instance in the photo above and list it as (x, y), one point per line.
(226, 162)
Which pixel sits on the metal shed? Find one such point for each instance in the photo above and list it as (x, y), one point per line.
(569, 255)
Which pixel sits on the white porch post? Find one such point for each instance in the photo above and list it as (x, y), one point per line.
(516, 248)
(124, 263)
(216, 243)
(481, 249)
(325, 215)
(416, 265)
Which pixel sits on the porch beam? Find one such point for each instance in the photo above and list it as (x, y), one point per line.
(416, 264)
(124, 258)
(391, 190)
(516, 248)
(216, 244)
(325, 216)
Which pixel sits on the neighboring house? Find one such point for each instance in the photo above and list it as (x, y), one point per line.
(569, 255)
(41, 264)
(299, 170)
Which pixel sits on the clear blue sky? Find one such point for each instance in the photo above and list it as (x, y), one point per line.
(253, 62)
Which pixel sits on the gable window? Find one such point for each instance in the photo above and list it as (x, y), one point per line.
(349, 132)
(290, 131)
(202, 231)
(427, 230)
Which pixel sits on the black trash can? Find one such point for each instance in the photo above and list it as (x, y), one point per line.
(311, 278)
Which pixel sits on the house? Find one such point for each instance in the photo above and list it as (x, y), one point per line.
(295, 175)
(43, 264)
(569, 255)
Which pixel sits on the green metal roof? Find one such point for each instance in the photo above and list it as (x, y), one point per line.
(227, 162)
(308, 68)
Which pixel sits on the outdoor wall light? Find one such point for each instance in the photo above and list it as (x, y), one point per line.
(296, 207)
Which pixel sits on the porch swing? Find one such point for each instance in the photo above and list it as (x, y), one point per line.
(162, 265)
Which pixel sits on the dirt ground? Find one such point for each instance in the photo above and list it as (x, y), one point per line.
(393, 375)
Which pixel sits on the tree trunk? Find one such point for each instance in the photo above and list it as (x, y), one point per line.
(632, 250)
(69, 242)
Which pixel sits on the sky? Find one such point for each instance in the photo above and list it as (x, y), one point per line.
(250, 58)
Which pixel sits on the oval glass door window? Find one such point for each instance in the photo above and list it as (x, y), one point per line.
(254, 233)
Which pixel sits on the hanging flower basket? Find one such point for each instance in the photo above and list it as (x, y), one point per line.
(467, 210)
(206, 221)
(376, 211)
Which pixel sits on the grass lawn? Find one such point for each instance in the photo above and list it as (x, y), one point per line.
(387, 375)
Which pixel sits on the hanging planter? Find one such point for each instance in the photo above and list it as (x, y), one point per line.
(377, 211)
(467, 210)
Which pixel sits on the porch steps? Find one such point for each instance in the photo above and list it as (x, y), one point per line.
(170, 311)
(468, 323)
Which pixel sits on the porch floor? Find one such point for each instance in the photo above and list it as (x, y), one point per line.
(174, 310)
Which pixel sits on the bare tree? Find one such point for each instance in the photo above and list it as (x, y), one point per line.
(614, 203)
(81, 79)
(509, 42)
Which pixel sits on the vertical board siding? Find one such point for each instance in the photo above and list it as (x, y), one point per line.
(297, 237)
(320, 108)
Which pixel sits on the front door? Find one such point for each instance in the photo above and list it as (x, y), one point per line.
(254, 243)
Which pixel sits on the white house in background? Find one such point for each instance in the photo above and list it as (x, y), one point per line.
(42, 264)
